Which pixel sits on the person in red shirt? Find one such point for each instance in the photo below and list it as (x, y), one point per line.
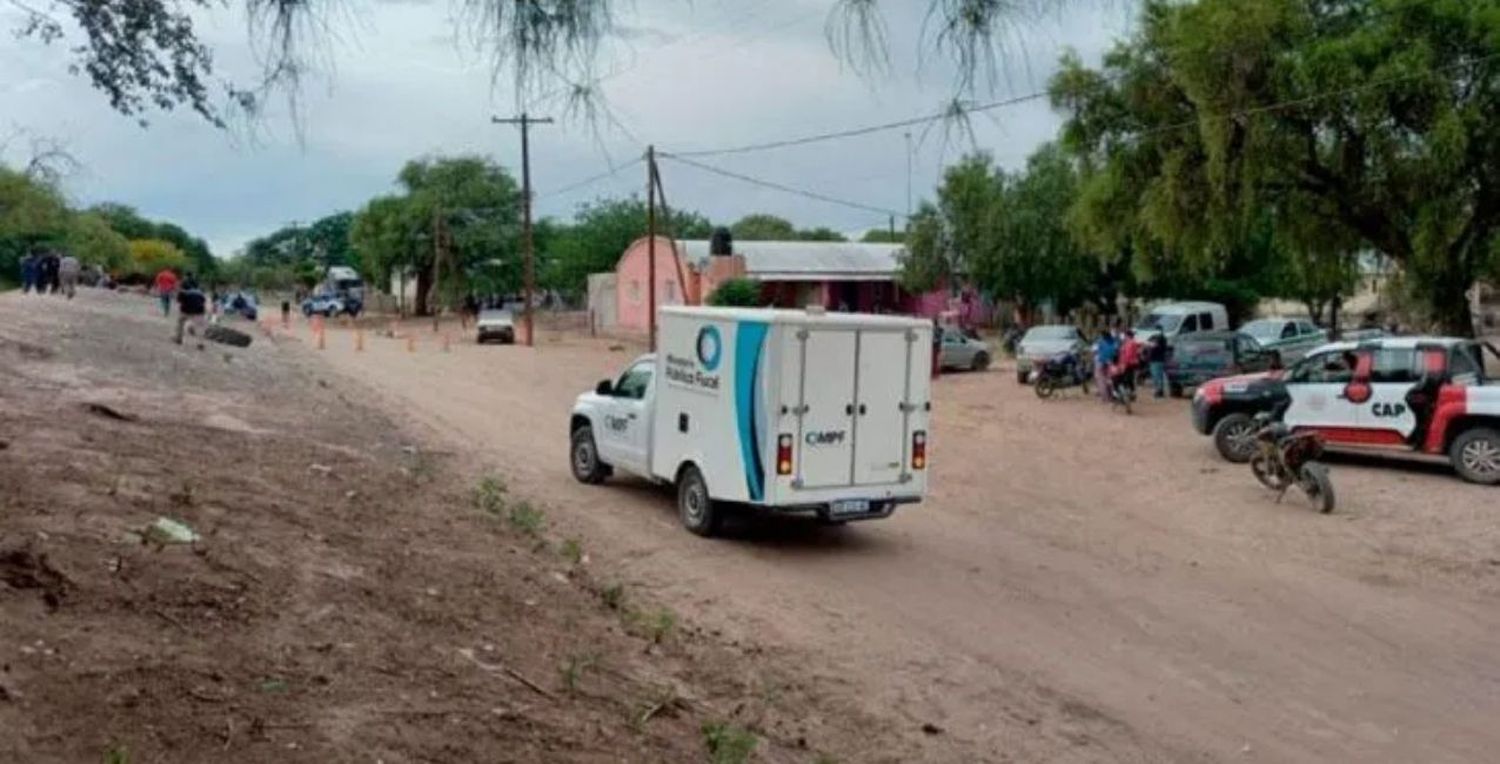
(1130, 360)
(165, 284)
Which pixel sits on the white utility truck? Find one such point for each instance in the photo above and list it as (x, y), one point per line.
(791, 411)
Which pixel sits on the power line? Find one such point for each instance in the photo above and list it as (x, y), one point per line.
(853, 132)
(959, 110)
(589, 181)
(778, 186)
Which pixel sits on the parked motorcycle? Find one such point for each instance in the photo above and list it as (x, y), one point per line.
(1284, 459)
(1059, 372)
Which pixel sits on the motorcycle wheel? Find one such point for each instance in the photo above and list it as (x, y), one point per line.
(1318, 487)
(1043, 387)
(1122, 397)
(1265, 472)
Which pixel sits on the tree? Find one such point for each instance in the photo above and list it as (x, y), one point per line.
(600, 233)
(147, 54)
(883, 236)
(129, 223)
(324, 242)
(763, 227)
(1006, 232)
(32, 214)
(94, 242)
(736, 293)
(821, 233)
(149, 256)
(1338, 124)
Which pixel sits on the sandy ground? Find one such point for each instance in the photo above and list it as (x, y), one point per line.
(347, 601)
(1080, 585)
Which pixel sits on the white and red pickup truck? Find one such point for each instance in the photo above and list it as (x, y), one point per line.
(1414, 395)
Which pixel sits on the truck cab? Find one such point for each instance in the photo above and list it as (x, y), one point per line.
(1427, 396)
(787, 411)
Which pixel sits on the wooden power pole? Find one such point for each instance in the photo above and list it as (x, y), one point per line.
(526, 121)
(651, 243)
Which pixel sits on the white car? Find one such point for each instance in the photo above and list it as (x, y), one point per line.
(495, 325)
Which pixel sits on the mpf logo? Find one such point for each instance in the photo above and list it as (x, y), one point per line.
(710, 347)
(825, 438)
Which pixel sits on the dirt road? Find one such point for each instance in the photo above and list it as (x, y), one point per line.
(1080, 585)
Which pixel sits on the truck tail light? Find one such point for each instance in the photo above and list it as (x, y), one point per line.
(784, 455)
(919, 450)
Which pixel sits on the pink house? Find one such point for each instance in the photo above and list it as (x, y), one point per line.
(793, 274)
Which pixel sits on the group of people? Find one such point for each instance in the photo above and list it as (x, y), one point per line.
(192, 303)
(1119, 357)
(50, 273)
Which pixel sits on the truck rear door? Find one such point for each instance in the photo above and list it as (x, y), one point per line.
(880, 416)
(826, 412)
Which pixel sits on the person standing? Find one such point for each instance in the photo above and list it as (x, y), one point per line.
(1156, 357)
(1106, 350)
(192, 304)
(165, 284)
(28, 273)
(47, 273)
(68, 269)
(1130, 360)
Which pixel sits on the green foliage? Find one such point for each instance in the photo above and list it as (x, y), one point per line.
(489, 495)
(1005, 231)
(91, 239)
(32, 215)
(883, 236)
(1232, 130)
(738, 293)
(468, 204)
(656, 626)
(728, 743)
(598, 234)
(762, 227)
(572, 669)
(150, 256)
(131, 225)
(820, 233)
(571, 550)
(526, 518)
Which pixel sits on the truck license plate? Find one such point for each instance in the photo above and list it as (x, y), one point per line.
(850, 507)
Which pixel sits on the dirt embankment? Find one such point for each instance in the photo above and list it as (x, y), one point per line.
(354, 595)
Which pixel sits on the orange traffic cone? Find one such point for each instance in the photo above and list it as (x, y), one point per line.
(411, 343)
(359, 340)
(322, 339)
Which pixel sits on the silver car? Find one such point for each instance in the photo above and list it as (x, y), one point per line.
(1042, 342)
(959, 351)
(1288, 338)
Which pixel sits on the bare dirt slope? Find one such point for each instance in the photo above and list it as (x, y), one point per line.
(348, 600)
(1081, 585)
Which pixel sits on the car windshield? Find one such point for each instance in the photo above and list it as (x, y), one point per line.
(1264, 329)
(1045, 333)
(494, 315)
(1163, 321)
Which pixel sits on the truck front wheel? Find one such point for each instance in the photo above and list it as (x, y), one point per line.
(585, 457)
(700, 514)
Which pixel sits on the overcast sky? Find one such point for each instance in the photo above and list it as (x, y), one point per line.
(694, 74)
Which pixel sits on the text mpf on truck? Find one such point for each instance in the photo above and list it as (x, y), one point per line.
(789, 411)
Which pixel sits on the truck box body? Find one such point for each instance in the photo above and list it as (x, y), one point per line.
(848, 395)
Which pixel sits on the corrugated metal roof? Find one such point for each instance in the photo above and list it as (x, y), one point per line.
(809, 260)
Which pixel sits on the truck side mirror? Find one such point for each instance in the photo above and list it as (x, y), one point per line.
(605, 388)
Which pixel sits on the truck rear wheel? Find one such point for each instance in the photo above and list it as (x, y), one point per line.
(584, 456)
(700, 513)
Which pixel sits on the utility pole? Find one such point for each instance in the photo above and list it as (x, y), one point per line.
(526, 121)
(651, 243)
(908, 175)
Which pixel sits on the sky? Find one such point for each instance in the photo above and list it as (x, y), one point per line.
(396, 81)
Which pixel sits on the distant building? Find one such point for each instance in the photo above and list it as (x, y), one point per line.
(839, 276)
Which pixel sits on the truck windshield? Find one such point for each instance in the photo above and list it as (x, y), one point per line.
(1163, 321)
